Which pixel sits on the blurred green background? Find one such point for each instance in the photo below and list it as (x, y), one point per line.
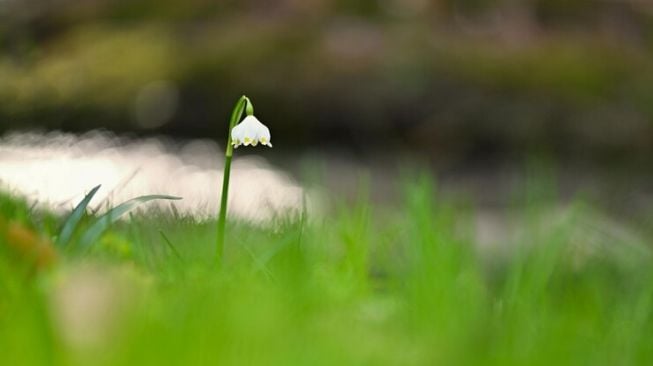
(462, 78)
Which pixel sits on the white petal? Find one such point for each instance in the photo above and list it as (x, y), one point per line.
(237, 133)
(250, 132)
(264, 137)
(250, 120)
(262, 132)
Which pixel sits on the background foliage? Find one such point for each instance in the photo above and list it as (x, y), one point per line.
(457, 77)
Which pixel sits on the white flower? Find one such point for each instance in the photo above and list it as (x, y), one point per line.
(250, 132)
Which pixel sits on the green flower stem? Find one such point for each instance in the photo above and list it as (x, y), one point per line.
(222, 216)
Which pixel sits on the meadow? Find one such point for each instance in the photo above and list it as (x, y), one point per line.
(362, 283)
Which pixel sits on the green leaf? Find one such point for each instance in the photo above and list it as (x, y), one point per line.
(72, 221)
(105, 221)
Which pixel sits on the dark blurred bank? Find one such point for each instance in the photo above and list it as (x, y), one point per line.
(457, 78)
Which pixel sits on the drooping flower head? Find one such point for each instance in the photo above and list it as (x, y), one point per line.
(250, 131)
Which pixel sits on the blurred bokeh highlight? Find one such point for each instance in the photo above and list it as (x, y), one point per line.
(469, 87)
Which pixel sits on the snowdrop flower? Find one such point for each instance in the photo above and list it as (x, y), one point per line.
(250, 132)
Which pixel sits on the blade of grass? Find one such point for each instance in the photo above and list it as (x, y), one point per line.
(72, 221)
(170, 245)
(105, 221)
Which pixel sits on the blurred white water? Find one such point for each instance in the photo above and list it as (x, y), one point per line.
(56, 170)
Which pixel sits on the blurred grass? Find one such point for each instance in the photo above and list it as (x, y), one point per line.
(364, 284)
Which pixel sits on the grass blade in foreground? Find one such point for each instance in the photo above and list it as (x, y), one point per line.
(73, 220)
(113, 215)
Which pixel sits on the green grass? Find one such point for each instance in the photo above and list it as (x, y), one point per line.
(365, 284)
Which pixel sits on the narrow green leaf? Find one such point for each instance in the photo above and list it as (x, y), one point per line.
(105, 221)
(170, 245)
(73, 219)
